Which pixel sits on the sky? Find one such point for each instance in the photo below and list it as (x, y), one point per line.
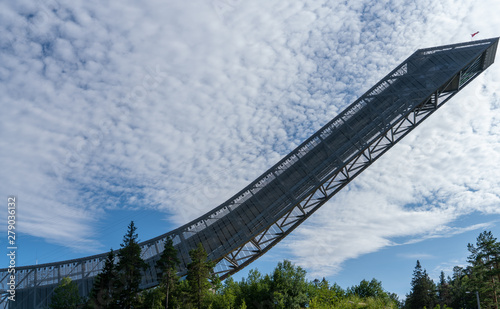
(158, 111)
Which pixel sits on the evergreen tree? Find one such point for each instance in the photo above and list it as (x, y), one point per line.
(444, 291)
(423, 290)
(101, 295)
(485, 261)
(65, 295)
(182, 296)
(152, 299)
(129, 268)
(459, 287)
(199, 272)
(167, 264)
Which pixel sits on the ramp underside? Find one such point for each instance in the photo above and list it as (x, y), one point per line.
(263, 213)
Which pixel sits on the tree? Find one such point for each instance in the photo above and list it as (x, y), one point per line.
(167, 264)
(226, 296)
(367, 289)
(459, 284)
(423, 290)
(101, 295)
(66, 295)
(255, 289)
(129, 269)
(199, 272)
(373, 292)
(444, 291)
(289, 286)
(183, 297)
(322, 295)
(485, 261)
(152, 298)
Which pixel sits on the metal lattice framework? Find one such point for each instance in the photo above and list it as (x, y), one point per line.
(258, 217)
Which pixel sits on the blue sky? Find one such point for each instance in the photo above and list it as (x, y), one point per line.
(159, 111)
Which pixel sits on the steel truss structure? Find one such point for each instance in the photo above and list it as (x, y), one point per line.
(258, 217)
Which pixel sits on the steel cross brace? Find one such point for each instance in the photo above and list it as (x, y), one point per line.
(269, 237)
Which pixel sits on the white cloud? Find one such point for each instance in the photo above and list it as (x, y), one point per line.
(178, 105)
(417, 256)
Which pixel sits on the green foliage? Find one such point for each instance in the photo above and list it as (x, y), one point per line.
(101, 295)
(373, 290)
(255, 289)
(485, 269)
(438, 306)
(423, 290)
(242, 306)
(200, 270)
(152, 299)
(444, 291)
(482, 275)
(129, 270)
(167, 265)
(65, 295)
(182, 296)
(356, 302)
(323, 296)
(288, 286)
(368, 289)
(459, 286)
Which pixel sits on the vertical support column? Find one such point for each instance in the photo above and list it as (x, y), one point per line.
(156, 248)
(35, 286)
(83, 281)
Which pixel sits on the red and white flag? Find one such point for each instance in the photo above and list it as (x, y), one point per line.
(472, 35)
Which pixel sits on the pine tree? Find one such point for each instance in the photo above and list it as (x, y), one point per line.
(444, 291)
(485, 261)
(129, 269)
(65, 295)
(200, 270)
(423, 290)
(101, 295)
(459, 284)
(167, 264)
